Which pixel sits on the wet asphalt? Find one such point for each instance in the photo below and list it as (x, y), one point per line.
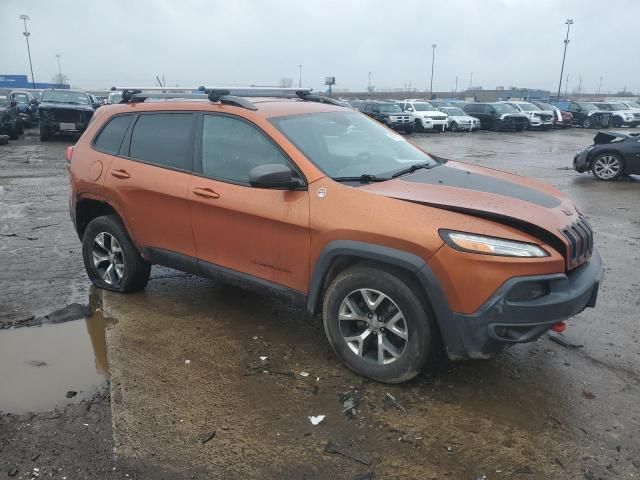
(191, 394)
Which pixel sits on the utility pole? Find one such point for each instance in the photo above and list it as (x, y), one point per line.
(300, 76)
(470, 80)
(433, 60)
(59, 68)
(26, 34)
(369, 84)
(566, 85)
(568, 23)
(580, 86)
(599, 85)
(456, 89)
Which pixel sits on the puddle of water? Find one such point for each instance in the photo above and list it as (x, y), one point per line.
(39, 365)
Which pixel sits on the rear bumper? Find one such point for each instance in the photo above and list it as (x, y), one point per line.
(501, 322)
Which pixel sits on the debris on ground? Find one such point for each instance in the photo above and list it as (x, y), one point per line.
(564, 341)
(304, 374)
(391, 400)
(331, 447)
(12, 472)
(588, 394)
(187, 362)
(208, 436)
(350, 400)
(263, 358)
(364, 476)
(75, 311)
(71, 393)
(316, 420)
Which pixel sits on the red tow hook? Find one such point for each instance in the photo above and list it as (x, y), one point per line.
(559, 327)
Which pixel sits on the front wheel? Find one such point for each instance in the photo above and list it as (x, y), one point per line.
(586, 123)
(418, 124)
(454, 126)
(377, 324)
(617, 122)
(607, 166)
(14, 132)
(110, 257)
(44, 133)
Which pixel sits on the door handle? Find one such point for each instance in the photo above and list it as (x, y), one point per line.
(120, 174)
(205, 192)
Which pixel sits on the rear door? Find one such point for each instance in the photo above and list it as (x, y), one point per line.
(259, 232)
(149, 181)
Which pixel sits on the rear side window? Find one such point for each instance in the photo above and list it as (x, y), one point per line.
(110, 137)
(231, 148)
(163, 139)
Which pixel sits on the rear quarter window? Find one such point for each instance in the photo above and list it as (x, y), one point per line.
(110, 137)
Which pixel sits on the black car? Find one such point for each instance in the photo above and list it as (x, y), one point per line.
(64, 111)
(27, 106)
(10, 123)
(390, 114)
(586, 114)
(497, 116)
(611, 155)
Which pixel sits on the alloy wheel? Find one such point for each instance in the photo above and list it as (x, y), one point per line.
(373, 326)
(607, 167)
(108, 258)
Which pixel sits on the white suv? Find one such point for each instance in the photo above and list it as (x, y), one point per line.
(424, 115)
(538, 118)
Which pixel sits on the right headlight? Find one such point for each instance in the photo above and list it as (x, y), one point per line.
(470, 242)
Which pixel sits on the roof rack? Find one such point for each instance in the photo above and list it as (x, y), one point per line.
(228, 96)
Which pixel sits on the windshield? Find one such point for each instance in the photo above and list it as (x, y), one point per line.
(453, 111)
(390, 109)
(528, 107)
(633, 104)
(346, 144)
(21, 98)
(60, 96)
(546, 106)
(422, 107)
(588, 106)
(4, 100)
(617, 106)
(504, 108)
(115, 97)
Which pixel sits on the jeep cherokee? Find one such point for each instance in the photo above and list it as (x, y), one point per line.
(324, 207)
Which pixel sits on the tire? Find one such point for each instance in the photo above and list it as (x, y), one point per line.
(44, 133)
(121, 268)
(14, 132)
(409, 130)
(20, 127)
(419, 127)
(586, 123)
(454, 126)
(410, 354)
(616, 122)
(607, 166)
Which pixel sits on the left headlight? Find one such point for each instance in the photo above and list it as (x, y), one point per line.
(469, 242)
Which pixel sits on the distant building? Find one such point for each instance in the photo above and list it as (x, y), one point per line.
(22, 81)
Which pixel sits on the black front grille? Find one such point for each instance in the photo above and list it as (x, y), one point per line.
(66, 116)
(580, 237)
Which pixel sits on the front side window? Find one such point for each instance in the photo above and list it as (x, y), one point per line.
(231, 148)
(111, 136)
(344, 144)
(163, 139)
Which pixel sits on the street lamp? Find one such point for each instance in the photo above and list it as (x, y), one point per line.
(26, 34)
(299, 76)
(433, 59)
(568, 23)
(59, 69)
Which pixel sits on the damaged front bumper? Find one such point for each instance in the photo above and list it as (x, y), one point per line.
(503, 321)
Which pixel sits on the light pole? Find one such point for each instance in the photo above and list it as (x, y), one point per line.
(599, 86)
(568, 23)
(59, 68)
(26, 34)
(470, 80)
(433, 59)
(299, 76)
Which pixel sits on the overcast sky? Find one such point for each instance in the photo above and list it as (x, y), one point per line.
(242, 42)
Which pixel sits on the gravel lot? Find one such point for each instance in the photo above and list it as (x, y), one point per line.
(169, 382)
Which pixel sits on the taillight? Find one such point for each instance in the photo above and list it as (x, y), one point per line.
(69, 153)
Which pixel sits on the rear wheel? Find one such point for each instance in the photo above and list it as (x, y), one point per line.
(44, 133)
(607, 166)
(377, 324)
(110, 257)
(14, 131)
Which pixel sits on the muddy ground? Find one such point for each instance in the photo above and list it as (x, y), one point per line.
(191, 395)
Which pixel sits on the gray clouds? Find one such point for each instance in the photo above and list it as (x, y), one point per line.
(241, 42)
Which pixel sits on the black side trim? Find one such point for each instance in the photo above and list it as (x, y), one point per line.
(231, 277)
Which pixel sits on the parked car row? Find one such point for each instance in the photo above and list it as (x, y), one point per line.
(422, 115)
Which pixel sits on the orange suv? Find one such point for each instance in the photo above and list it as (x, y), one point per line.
(287, 193)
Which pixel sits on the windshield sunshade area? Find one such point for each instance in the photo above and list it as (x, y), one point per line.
(390, 109)
(504, 108)
(345, 144)
(57, 96)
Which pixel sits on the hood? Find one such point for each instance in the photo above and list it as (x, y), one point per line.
(433, 113)
(514, 114)
(608, 137)
(598, 112)
(463, 117)
(65, 106)
(503, 197)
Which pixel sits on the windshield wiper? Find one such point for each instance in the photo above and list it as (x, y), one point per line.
(413, 168)
(364, 178)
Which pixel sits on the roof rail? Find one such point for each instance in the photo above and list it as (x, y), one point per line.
(228, 96)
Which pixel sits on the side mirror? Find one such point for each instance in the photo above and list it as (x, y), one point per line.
(273, 175)
(34, 101)
(409, 109)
